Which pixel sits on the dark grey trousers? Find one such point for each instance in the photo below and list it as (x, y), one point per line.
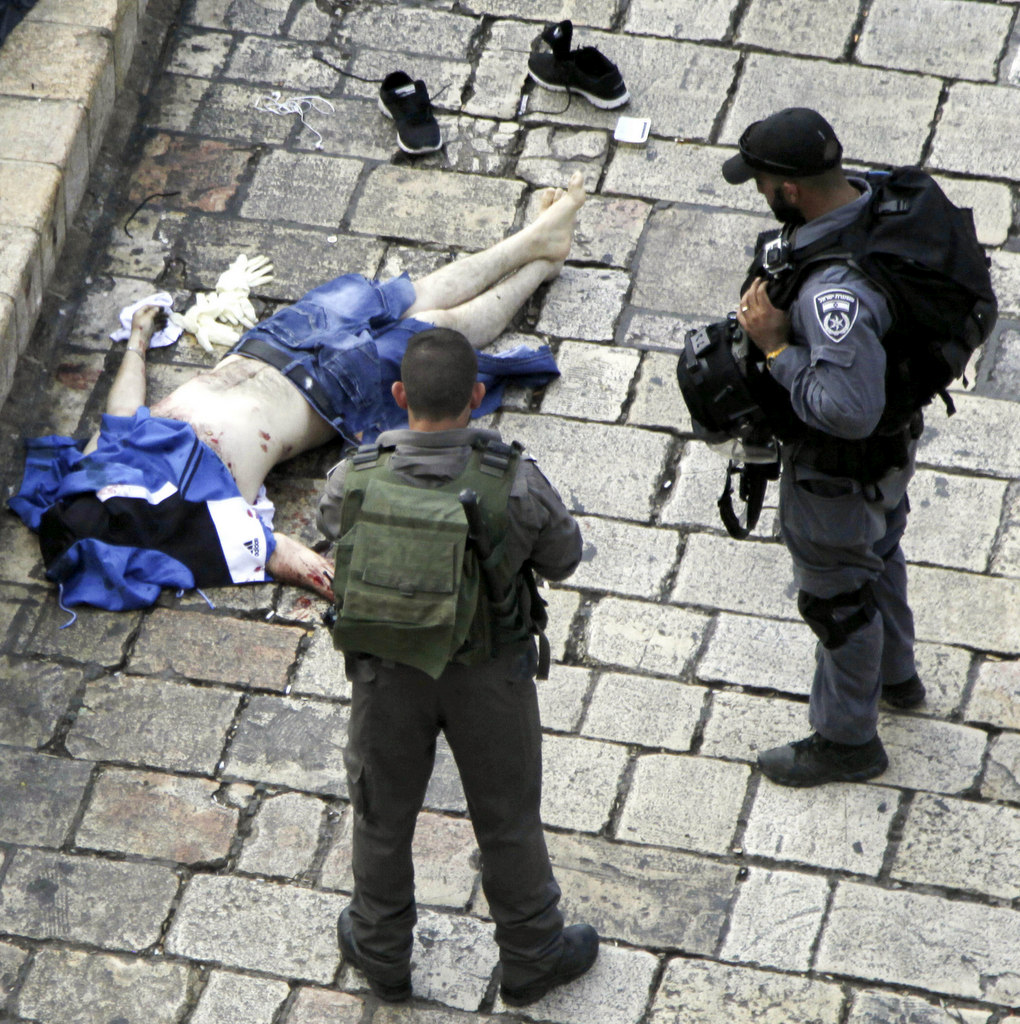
(489, 714)
(839, 540)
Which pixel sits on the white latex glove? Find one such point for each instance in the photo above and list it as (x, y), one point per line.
(244, 274)
(220, 317)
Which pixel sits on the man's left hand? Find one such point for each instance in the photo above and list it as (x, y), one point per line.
(766, 326)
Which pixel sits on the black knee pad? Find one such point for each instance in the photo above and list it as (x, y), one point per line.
(820, 614)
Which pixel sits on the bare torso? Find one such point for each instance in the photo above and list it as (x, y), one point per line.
(250, 415)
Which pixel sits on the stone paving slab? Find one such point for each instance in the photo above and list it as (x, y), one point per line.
(776, 919)
(451, 962)
(594, 382)
(97, 638)
(697, 991)
(151, 722)
(39, 795)
(158, 816)
(562, 697)
(569, 452)
(965, 609)
(131, 991)
(841, 827)
(644, 637)
(291, 742)
(650, 712)
(740, 725)
(994, 699)
(885, 116)
(687, 19)
(711, 255)
(305, 188)
(640, 896)
(657, 401)
(284, 836)
(1002, 770)
(258, 926)
(584, 303)
(219, 649)
(239, 999)
(33, 699)
(738, 576)
(111, 904)
(667, 804)
(811, 28)
(579, 781)
(323, 1006)
(949, 38)
(949, 946)
(975, 439)
(872, 1007)
(449, 209)
(969, 137)
(958, 844)
(624, 558)
(954, 520)
(926, 754)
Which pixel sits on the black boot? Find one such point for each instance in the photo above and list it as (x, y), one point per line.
(907, 694)
(815, 760)
(391, 991)
(578, 953)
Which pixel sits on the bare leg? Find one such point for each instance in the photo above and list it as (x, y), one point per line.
(127, 393)
(292, 562)
(483, 318)
(547, 238)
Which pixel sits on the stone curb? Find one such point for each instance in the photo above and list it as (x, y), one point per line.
(61, 70)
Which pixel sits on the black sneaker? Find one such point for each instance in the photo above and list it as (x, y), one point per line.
(815, 760)
(904, 695)
(586, 71)
(391, 992)
(580, 948)
(408, 104)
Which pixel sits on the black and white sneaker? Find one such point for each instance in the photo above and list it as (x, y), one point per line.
(408, 104)
(586, 71)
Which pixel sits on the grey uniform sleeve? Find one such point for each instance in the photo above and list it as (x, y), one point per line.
(835, 368)
(540, 528)
(330, 503)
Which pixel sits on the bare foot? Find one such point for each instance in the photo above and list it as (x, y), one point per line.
(552, 231)
(546, 197)
(292, 562)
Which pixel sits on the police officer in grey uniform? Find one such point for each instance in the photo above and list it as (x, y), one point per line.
(488, 712)
(843, 536)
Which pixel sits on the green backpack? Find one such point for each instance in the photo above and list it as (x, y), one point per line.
(409, 584)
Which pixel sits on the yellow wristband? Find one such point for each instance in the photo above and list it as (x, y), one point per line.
(772, 355)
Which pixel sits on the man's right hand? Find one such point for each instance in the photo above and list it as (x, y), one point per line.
(144, 324)
(766, 326)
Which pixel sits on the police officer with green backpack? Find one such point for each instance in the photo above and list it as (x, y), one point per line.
(438, 528)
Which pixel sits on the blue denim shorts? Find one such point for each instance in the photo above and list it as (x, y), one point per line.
(341, 346)
(332, 343)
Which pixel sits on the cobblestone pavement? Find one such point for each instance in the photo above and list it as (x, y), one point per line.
(173, 813)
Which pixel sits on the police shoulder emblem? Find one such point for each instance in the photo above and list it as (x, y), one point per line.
(836, 310)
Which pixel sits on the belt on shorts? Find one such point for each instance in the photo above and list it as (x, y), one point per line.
(266, 352)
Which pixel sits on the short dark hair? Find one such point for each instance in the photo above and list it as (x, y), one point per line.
(439, 370)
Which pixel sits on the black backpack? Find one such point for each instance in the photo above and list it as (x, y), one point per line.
(923, 253)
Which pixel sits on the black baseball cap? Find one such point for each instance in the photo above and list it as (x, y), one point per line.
(797, 142)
